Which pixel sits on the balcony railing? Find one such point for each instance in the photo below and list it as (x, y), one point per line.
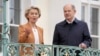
(15, 49)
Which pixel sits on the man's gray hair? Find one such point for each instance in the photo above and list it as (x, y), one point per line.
(73, 6)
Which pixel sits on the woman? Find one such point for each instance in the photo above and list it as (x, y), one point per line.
(30, 32)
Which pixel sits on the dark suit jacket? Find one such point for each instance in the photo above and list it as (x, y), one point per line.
(71, 34)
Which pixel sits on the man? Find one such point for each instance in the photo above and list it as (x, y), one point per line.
(71, 31)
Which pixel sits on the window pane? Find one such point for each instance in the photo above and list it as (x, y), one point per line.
(14, 34)
(83, 13)
(15, 4)
(11, 16)
(1, 2)
(94, 20)
(0, 38)
(17, 17)
(15, 11)
(95, 42)
(11, 3)
(1, 14)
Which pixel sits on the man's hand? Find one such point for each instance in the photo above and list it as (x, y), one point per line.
(83, 45)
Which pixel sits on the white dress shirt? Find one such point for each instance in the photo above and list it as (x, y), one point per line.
(36, 35)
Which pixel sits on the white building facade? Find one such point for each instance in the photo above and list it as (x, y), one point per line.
(52, 13)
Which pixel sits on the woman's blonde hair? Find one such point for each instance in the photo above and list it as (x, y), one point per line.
(32, 7)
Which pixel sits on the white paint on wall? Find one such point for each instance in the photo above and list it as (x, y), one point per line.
(25, 4)
(43, 20)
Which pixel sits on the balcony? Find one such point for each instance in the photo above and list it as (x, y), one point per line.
(14, 49)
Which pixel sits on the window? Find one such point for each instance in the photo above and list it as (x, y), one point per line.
(92, 17)
(14, 18)
(94, 20)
